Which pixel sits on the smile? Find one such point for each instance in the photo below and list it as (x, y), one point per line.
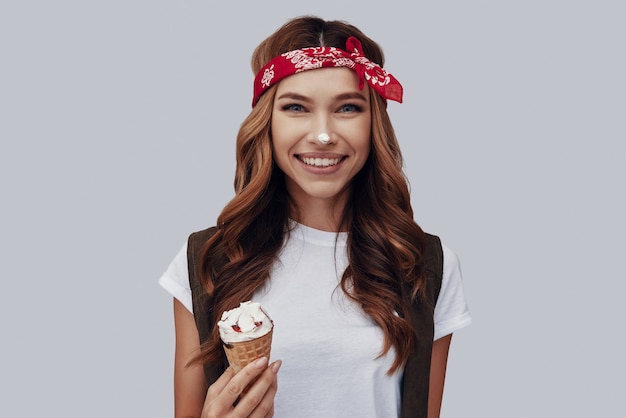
(320, 162)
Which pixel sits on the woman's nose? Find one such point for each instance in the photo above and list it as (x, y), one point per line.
(321, 131)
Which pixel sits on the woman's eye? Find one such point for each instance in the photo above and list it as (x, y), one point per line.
(350, 108)
(293, 107)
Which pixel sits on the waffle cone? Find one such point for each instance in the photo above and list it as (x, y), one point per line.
(242, 353)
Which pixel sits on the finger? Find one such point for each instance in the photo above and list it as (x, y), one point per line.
(270, 414)
(218, 386)
(214, 405)
(259, 398)
(238, 383)
(221, 396)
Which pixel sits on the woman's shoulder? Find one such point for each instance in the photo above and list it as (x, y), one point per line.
(443, 254)
(203, 234)
(433, 254)
(197, 239)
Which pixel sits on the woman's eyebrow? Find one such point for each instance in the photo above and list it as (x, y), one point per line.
(342, 96)
(294, 96)
(351, 96)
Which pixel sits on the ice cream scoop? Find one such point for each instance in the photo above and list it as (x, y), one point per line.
(246, 322)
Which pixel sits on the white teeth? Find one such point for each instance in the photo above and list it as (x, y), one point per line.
(321, 162)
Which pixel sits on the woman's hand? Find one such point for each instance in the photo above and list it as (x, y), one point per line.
(191, 398)
(256, 402)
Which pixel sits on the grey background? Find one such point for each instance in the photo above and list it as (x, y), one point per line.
(117, 122)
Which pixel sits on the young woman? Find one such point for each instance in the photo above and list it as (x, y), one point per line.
(321, 233)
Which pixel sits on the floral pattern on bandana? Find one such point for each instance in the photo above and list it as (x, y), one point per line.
(268, 75)
(305, 59)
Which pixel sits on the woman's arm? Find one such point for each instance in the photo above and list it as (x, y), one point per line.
(189, 382)
(438, 365)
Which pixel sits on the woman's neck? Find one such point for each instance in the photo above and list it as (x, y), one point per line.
(322, 214)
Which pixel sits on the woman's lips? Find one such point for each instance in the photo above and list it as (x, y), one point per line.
(320, 161)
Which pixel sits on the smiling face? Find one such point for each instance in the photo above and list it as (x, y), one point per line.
(306, 105)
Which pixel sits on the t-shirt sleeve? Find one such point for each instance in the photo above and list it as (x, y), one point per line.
(175, 280)
(451, 311)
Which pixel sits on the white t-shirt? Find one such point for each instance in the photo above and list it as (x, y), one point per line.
(318, 329)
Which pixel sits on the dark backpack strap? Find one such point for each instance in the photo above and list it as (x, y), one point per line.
(416, 378)
(434, 264)
(202, 304)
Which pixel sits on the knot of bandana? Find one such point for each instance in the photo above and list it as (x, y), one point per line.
(299, 60)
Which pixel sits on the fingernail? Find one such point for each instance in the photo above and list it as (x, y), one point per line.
(276, 366)
(260, 363)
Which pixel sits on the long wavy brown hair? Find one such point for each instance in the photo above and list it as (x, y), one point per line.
(384, 243)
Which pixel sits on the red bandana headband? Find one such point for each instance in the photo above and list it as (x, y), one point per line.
(299, 60)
